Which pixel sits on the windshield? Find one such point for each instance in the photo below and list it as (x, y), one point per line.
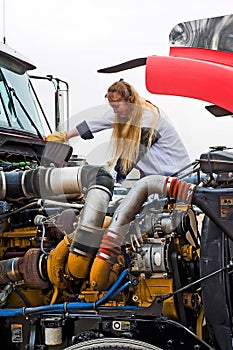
(17, 107)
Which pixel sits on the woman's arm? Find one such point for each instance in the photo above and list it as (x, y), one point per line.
(72, 133)
(85, 129)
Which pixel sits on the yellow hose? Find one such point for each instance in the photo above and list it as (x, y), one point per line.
(55, 294)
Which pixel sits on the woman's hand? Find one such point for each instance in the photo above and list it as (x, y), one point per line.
(57, 136)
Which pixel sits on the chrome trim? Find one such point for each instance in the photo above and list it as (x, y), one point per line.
(12, 270)
(3, 189)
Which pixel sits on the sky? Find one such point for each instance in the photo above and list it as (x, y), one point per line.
(72, 39)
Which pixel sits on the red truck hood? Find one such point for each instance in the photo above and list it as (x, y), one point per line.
(198, 73)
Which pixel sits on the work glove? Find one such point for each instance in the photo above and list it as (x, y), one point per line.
(57, 136)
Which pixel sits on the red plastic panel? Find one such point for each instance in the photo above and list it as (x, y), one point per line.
(190, 78)
(220, 57)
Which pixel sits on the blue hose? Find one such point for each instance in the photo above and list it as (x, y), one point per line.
(108, 295)
(118, 291)
(58, 308)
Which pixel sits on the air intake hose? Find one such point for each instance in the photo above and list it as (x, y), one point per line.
(42, 182)
(124, 214)
(46, 182)
(88, 235)
(94, 181)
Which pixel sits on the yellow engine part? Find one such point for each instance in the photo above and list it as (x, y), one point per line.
(34, 297)
(103, 274)
(20, 237)
(100, 274)
(56, 264)
(107, 221)
(201, 329)
(78, 265)
(148, 289)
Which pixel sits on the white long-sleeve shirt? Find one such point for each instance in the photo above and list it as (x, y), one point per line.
(165, 157)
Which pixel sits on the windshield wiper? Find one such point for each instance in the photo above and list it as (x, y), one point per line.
(11, 105)
(26, 113)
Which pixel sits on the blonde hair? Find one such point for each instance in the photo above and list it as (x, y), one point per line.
(126, 136)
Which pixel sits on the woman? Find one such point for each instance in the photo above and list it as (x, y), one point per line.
(143, 137)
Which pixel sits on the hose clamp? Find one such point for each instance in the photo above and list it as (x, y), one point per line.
(12, 270)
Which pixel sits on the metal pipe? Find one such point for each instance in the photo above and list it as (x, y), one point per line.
(125, 213)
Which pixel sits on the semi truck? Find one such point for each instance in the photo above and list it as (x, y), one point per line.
(153, 272)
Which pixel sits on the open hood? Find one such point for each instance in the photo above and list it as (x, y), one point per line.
(199, 66)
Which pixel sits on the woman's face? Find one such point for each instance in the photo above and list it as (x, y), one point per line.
(119, 105)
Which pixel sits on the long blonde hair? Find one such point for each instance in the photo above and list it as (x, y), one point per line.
(126, 136)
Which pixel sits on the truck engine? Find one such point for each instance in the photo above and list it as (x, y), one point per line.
(62, 255)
